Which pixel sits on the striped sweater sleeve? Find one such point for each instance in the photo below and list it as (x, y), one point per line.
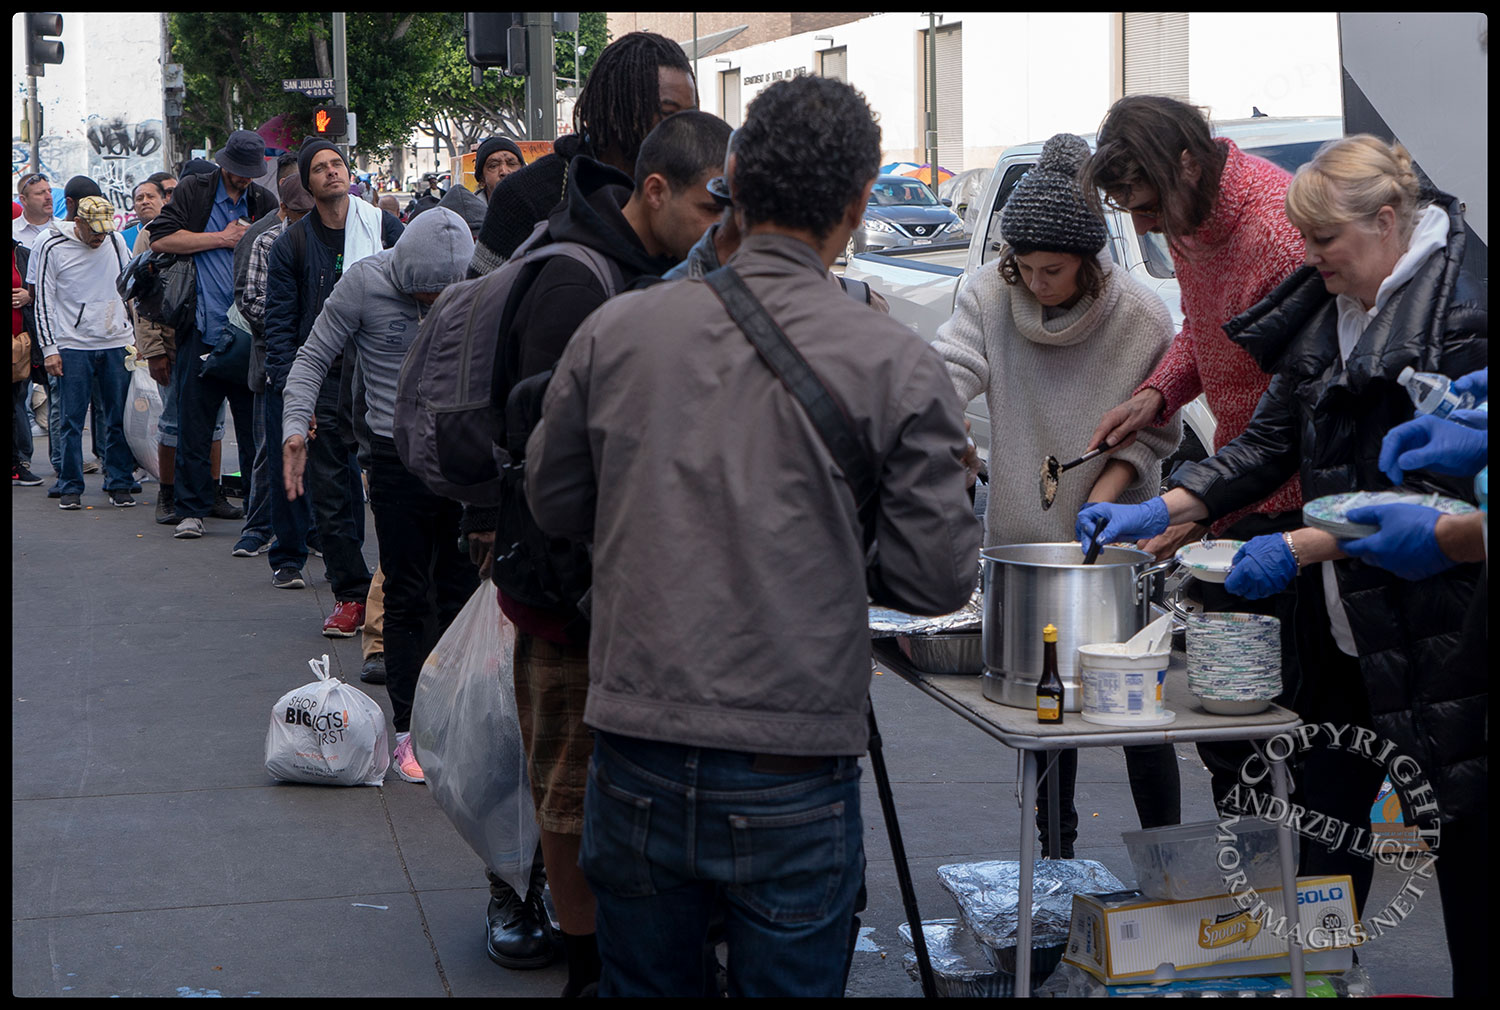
(46, 295)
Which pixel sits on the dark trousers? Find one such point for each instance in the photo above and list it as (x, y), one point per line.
(21, 444)
(427, 578)
(1155, 785)
(290, 520)
(338, 499)
(256, 478)
(198, 400)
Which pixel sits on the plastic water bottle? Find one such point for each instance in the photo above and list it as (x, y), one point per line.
(1433, 393)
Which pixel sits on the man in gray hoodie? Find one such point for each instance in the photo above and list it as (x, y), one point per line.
(378, 304)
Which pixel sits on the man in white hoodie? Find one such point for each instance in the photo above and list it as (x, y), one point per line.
(83, 330)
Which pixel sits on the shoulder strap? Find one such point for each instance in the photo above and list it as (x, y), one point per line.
(776, 350)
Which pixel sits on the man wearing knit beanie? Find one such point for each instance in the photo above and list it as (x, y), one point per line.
(1047, 211)
(309, 150)
(497, 158)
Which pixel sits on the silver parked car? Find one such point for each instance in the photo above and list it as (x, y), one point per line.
(903, 212)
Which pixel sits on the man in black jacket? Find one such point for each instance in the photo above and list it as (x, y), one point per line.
(208, 215)
(643, 226)
(306, 261)
(640, 79)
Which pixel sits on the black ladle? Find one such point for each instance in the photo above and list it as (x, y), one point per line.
(1098, 545)
(1051, 470)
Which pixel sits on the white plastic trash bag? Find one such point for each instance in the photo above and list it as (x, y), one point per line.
(468, 739)
(142, 417)
(327, 733)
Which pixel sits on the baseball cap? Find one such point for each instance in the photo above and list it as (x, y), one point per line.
(294, 196)
(81, 186)
(98, 213)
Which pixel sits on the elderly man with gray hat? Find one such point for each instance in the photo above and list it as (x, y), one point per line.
(209, 214)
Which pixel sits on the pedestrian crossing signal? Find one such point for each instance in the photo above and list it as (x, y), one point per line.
(330, 121)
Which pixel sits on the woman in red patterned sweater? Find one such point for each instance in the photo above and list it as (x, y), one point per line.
(1223, 213)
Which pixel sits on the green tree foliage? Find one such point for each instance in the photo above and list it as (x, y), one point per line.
(407, 71)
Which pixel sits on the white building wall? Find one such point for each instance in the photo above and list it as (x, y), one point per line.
(1030, 75)
(102, 107)
(1285, 64)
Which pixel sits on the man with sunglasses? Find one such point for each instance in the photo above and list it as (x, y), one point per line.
(34, 194)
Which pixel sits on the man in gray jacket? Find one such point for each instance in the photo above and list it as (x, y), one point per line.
(729, 657)
(378, 305)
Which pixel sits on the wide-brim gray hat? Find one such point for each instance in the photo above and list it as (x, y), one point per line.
(244, 154)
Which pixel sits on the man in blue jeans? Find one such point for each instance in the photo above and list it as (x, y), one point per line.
(209, 214)
(729, 659)
(83, 330)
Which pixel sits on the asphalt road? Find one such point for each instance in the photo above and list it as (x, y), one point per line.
(152, 855)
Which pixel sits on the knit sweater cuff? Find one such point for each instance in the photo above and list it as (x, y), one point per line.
(478, 520)
(484, 260)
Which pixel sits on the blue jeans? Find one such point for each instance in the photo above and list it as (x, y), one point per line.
(258, 501)
(166, 428)
(674, 835)
(21, 443)
(80, 371)
(54, 426)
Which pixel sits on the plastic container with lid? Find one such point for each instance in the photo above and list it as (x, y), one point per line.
(1183, 862)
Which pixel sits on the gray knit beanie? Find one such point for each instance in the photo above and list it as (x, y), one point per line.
(1046, 211)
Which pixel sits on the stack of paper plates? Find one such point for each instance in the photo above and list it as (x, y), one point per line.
(1330, 513)
(1234, 661)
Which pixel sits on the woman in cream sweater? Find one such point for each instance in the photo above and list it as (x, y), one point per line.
(1052, 337)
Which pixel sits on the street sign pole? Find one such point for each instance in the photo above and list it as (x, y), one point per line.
(541, 78)
(34, 114)
(341, 76)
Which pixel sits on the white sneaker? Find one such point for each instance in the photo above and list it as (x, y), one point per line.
(190, 528)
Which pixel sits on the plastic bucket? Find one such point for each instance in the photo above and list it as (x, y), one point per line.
(1122, 688)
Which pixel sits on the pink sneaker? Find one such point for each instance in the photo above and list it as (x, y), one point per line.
(404, 760)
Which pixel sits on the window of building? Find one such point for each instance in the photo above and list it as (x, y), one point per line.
(1156, 54)
(950, 96)
(729, 97)
(834, 63)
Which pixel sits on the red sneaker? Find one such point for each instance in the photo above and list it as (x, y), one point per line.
(345, 621)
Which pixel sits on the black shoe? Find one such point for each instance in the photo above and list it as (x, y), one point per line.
(121, 500)
(223, 507)
(24, 477)
(373, 671)
(166, 513)
(70, 502)
(288, 578)
(518, 934)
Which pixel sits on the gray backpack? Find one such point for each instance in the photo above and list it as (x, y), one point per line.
(444, 428)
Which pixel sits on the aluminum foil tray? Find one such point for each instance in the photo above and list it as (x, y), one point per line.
(890, 623)
(988, 896)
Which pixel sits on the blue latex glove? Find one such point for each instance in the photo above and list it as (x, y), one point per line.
(1126, 522)
(1431, 443)
(1479, 419)
(1261, 568)
(1406, 544)
(1475, 383)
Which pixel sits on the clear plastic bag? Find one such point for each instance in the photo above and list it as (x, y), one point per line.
(327, 733)
(142, 417)
(467, 738)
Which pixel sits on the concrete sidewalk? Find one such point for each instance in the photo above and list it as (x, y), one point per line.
(152, 855)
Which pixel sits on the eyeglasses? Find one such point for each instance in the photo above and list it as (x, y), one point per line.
(32, 178)
(1154, 210)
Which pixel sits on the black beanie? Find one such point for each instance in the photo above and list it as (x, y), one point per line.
(310, 147)
(1046, 211)
(491, 146)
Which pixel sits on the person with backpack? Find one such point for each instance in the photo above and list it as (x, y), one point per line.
(625, 236)
(378, 306)
(639, 79)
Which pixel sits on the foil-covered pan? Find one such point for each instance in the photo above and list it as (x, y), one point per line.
(988, 896)
(885, 623)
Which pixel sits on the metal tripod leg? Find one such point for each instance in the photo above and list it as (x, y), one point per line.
(898, 852)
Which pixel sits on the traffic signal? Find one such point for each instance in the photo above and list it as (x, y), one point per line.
(496, 40)
(40, 49)
(330, 121)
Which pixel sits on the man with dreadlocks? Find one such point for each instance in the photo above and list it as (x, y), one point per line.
(640, 79)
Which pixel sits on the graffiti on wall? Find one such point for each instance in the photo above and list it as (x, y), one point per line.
(121, 156)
